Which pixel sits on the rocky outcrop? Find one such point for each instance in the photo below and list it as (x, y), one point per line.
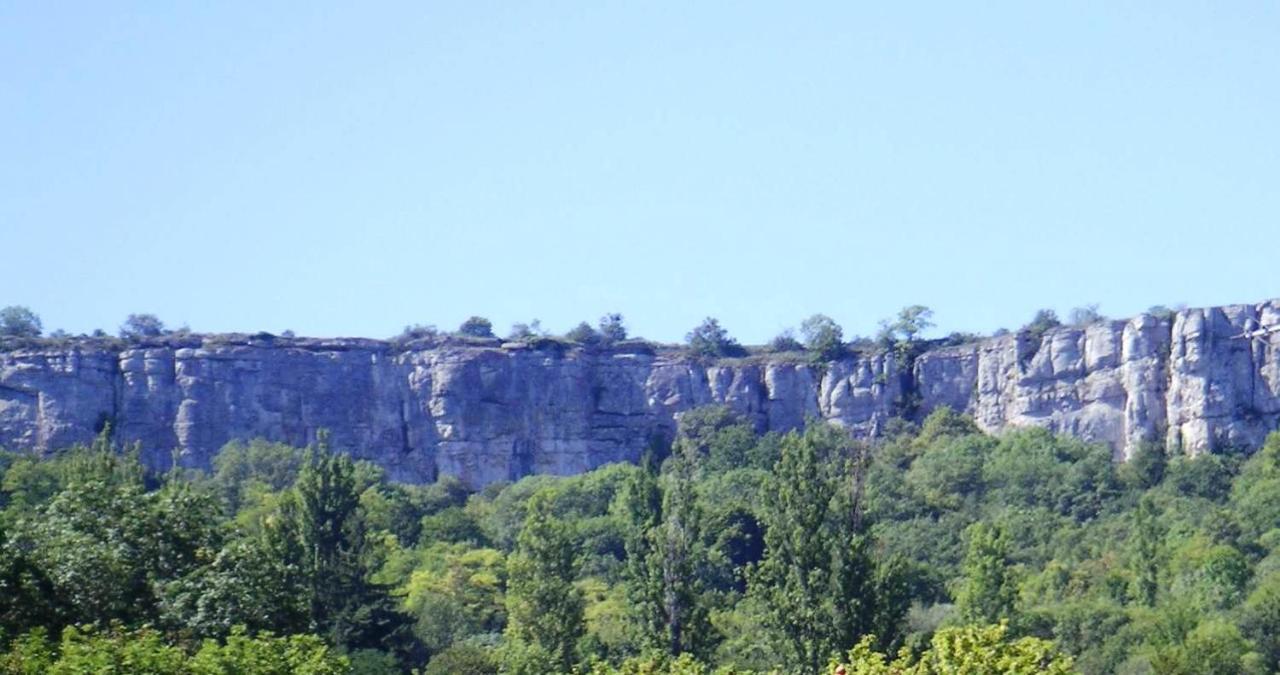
(1201, 380)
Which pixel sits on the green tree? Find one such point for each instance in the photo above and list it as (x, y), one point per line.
(710, 340)
(1043, 321)
(18, 321)
(544, 608)
(137, 326)
(965, 650)
(583, 334)
(819, 583)
(476, 326)
(988, 592)
(908, 325)
(785, 342)
(680, 555)
(641, 509)
(612, 328)
(823, 337)
(1147, 549)
(343, 604)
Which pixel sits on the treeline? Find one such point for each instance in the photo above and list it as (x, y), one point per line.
(820, 338)
(940, 549)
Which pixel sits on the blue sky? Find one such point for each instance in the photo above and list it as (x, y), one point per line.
(348, 168)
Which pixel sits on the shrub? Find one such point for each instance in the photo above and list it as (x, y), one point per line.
(416, 331)
(909, 324)
(18, 321)
(462, 659)
(1085, 316)
(822, 337)
(524, 332)
(1041, 323)
(140, 326)
(785, 342)
(612, 329)
(710, 340)
(476, 326)
(583, 334)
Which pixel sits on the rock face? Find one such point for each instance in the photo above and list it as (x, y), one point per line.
(1203, 380)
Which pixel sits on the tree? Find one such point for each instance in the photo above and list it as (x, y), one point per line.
(1084, 316)
(822, 337)
(476, 326)
(544, 607)
(140, 326)
(665, 554)
(710, 340)
(525, 331)
(1147, 546)
(988, 591)
(583, 334)
(818, 582)
(641, 508)
(1041, 323)
(612, 329)
(909, 324)
(965, 650)
(342, 603)
(785, 342)
(19, 321)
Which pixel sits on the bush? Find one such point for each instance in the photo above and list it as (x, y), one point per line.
(416, 331)
(462, 659)
(525, 332)
(1041, 323)
(612, 329)
(583, 334)
(141, 326)
(1085, 316)
(785, 342)
(710, 340)
(476, 326)
(18, 321)
(907, 327)
(822, 337)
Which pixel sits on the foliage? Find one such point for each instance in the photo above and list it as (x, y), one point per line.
(823, 337)
(729, 551)
(545, 608)
(785, 342)
(820, 585)
(988, 591)
(970, 650)
(583, 334)
(526, 331)
(462, 659)
(612, 328)
(19, 321)
(1041, 323)
(476, 326)
(1085, 316)
(710, 340)
(908, 325)
(137, 326)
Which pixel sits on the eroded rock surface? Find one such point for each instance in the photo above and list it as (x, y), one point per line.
(1202, 380)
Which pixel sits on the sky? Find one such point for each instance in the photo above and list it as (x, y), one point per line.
(350, 168)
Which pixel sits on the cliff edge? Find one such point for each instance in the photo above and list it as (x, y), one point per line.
(1199, 381)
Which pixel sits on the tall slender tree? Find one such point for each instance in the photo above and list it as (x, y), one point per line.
(343, 603)
(544, 608)
(988, 592)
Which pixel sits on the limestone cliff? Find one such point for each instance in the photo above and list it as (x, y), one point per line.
(1202, 380)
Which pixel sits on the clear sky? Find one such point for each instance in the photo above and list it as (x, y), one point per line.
(349, 168)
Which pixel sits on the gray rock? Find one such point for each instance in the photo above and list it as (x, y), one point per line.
(486, 411)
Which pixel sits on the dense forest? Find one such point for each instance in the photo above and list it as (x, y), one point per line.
(937, 549)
